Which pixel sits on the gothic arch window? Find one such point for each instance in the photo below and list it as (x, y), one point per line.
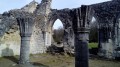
(58, 31)
(57, 24)
(94, 30)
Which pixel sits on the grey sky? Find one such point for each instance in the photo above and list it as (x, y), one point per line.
(6, 5)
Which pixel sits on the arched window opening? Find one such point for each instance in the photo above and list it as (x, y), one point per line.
(93, 37)
(57, 24)
(93, 31)
(58, 32)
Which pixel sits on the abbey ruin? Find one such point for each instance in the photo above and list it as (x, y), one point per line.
(31, 27)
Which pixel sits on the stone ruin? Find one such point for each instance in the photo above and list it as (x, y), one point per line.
(34, 23)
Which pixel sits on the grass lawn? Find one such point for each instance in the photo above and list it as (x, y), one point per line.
(93, 45)
(47, 60)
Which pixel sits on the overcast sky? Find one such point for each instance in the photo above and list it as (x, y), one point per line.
(6, 5)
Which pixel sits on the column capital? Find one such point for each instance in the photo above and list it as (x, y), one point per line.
(82, 18)
(82, 30)
(25, 26)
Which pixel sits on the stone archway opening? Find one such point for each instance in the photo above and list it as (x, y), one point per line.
(56, 37)
(93, 31)
(93, 37)
(58, 32)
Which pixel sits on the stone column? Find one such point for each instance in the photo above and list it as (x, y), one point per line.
(100, 36)
(46, 35)
(25, 25)
(119, 32)
(48, 39)
(83, 16)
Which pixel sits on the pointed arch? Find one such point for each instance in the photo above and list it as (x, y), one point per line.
(58, 23)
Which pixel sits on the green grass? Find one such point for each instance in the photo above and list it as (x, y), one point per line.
(93, 45)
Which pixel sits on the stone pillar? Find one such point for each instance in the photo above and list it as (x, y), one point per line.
(119, 32)
(24, 50)
(25, 25)
(105, 40)
(100, 36)
(48, 38)
(81, 48)
(45, 39)
(83, 16)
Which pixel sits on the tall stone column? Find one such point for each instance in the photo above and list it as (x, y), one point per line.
(100, 35)
(25, 25)
(82, 19)
(48, 39)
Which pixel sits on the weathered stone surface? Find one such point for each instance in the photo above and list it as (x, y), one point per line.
(31, 7)
(81, 24)
(64, 16)
(106, 13)
(37, 39)
(6, 22)
(26, 26)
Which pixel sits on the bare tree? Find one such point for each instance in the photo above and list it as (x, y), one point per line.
(58, 34)
(93, 32)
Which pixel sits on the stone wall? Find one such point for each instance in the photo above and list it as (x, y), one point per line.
(10, 44)
(105, 13)
(9, 30)
(41, 36)
(107, 49)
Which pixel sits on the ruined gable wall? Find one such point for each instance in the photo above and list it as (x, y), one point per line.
(39, 36)
(10, 38)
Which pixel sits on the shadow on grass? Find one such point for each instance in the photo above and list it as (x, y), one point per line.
(11, 58)
(39, 64)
